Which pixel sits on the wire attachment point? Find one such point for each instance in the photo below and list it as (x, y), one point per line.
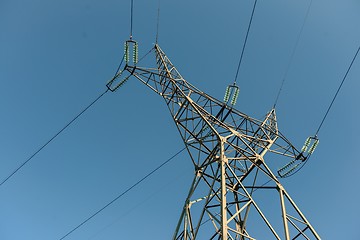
(111, 84)
(310, 140)
(288, 169)
(131, 44)
(309, 147)
(233, 92)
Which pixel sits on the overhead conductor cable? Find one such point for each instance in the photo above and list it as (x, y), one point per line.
(232, 91)
(51, 139)
(312, 142)
(292, 55)
(122, 194)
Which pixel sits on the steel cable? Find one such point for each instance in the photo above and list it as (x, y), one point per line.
(122, 194)
(292, 54)
(51, 139)
(333, 100)
(244, 45)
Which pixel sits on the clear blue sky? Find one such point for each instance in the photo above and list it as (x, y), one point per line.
(56, 57)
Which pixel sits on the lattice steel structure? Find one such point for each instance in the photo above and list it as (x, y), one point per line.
(234, 193)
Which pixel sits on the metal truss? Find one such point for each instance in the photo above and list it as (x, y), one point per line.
(234, 193)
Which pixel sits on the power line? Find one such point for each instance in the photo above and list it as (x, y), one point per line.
(143, 201)
(157, 24)
(333, 100)
(292, 54)
(51, 139)
(118, 68)
(326, 114)
(122, 194)
(244, 45)
(61, 130)
(131, 18)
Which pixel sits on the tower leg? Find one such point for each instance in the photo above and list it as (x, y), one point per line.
(224, 229)
(185, 211)
(283, 211)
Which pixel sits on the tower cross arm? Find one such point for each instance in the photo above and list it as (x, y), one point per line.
(202, 117)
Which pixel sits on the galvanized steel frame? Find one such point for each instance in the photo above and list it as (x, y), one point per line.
(227, 149)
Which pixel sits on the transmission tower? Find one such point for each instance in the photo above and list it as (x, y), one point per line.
(234, 193)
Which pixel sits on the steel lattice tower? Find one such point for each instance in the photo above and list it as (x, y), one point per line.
(234, 193)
